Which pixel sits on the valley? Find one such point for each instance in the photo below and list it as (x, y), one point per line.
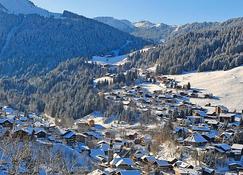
(151, 134)
(104, 96)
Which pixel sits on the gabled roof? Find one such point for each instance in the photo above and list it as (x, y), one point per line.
(208, 170)
(210, 110)
(223, 108)
(115, 160)
(28, 130)
(211, 121)
(227, 115)
(3, 120)
(124, 161)
(196, 138)
(193, 117)
(97, 135)
(69, 134)
(140, 153)
(204, 128)
(162, 163)
(212, 134)
(11, 117)
(81, 147)
(39, 130)
(96, 153)
(150, 159)
(188, 171)
(98, 127)
(223, 146)
(104, 146)
(237, 146)
(182, 164)
(226, 134)
(179, 129)
(8, 110)
(23, 119)
(201, 113)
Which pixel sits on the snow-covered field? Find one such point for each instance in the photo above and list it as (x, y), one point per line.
(151, 87)
(116, 60)
(109, 60)
(226, 85)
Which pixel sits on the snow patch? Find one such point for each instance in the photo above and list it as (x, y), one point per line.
(151, 87)
(144, 24)
(102, 79)
(109, 60)
(24, 7)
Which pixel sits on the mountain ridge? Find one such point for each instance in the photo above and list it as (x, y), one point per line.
(218, 47)
(64, 38)
(24, 7)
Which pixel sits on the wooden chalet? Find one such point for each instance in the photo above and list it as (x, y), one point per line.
(40, 133)
(8, 123)
(23, 133)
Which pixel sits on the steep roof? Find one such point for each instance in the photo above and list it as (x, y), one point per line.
(124, 161)
(196, 138)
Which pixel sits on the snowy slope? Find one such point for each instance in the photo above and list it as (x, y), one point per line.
(116, 60)
(123, 25)
(226, 85)
(144, 24)
(23, 7)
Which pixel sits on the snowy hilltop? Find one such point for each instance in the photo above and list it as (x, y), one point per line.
(23, 7)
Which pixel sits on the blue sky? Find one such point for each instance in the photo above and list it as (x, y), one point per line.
(166, 11)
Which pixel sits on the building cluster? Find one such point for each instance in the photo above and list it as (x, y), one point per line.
(210, 138)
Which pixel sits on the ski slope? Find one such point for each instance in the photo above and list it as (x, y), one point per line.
(226, 85)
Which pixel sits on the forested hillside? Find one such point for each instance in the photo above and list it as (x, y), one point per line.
(216, 48)
(35, 44)
(156, 33)
(67, 91)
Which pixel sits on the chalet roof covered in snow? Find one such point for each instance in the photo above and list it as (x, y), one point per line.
(3, 120)
(196, 138)
(69, 134)
(124, 161)
(223, 146)
(203, 128)
(150, 159)
(237, 147)
(96, 153)
(162, 163)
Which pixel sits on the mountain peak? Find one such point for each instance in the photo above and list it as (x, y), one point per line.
(22, 7)
(123, 25)
(144, 24)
